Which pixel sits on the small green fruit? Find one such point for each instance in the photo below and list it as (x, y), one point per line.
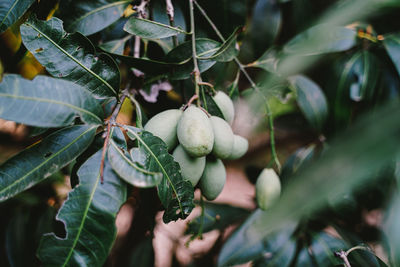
(195, 132)
(268, 188)
(213, 179)
(240, 146)
(191, 168)
(225, 104)
(163, 125)
(223, 138)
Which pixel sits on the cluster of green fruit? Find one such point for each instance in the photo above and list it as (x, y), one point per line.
(203, 141)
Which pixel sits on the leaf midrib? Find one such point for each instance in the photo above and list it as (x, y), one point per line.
(72, 58)
(8, 13)
(178, 30)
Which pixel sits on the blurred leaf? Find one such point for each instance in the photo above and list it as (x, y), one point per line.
(304, 259)
(176, 194)
(217, 216)
(281, 256)
(268, 61)
(39, 161)
(89, 218)
(70, 56)
(181, 56)
(46, 102)
(392, 229)
(227, 51)
(323, 247)
(11, 11)
(150, 29)
(321, 39)
(116, 46)
(392, 45)
(311, 100)
(296, 160)
(91, 16)
(143, 254)
(351, 160)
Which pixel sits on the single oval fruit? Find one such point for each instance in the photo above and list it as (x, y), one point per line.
(195, 132)
(240, 146)
(225, 104)
(191, 168)
(268, 188)
(213, 179)
(163, 125)
(223, 138)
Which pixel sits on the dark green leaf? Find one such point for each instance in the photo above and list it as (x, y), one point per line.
(71, 56)
(11, 11)
(268, 61)
(323, 247)
(296, 160)
(143, 255)
(91, 16)
(311, 100)
(148, 66)
(350, 159)
(392, 45)
(46, 102)
(217, 216)
(392, 229)
(89, 218)
(43, 159)
(150, 29)
(116, 46)
(210, 105)
(227, 51)
(176, 194)
(321, 39)
(278, 256)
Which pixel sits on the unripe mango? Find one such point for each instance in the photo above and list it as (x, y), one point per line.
(240, 146)
(195, 132)
(223, 138)
(191, 168)
(225, 104)
(268, 188)
(163, 125)
(213, 179)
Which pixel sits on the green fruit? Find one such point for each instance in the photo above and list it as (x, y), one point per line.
(191, 168)
(223, 138)
(225, 104)
(195, 132)
(268, 188)
(213, 179)
(240, 146)
(163, 125)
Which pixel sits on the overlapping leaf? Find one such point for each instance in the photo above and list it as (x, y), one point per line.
(392, 45)
(88, 16)
(89, 219)
(46, 102)
(176, 194)
(11, 11)
(43, 159)
(115, 46)
(148, 29)
(70, 56)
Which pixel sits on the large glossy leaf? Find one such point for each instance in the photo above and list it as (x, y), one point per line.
(148, 29)
(91, 16)
(311, 100)
(39, 161)
(70, 56)
(89, 219)
(321, 39)
(392, 45)
(46, 102)
(181, 56)
(349, 161)
(176, 194)
(11, 11)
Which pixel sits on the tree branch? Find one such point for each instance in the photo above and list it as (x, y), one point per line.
(196, 71)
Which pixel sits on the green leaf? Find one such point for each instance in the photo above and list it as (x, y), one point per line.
(148, 29)
(46, 102)
(268, 61)
(227, 51)
(392, 230)
(39, 161)
(181, 56)
(91, 16)
(280, 252)
(116, 46)
(392, 45)
(311, 100)
(130, 171)
(148, 66)
(11, 11)
(143, 254)
(350, 159)
(321, 39)
(297, 160)
(323, 247)
(176, 194)
(71, 56)
(210, 105)
(89, 218)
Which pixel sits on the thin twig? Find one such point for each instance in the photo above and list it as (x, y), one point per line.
(141, 9)
(196, 71)
(343, 255)
(171, 14)
(253, 85)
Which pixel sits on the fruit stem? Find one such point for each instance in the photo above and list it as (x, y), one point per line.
(275, 158)
(196, 71)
